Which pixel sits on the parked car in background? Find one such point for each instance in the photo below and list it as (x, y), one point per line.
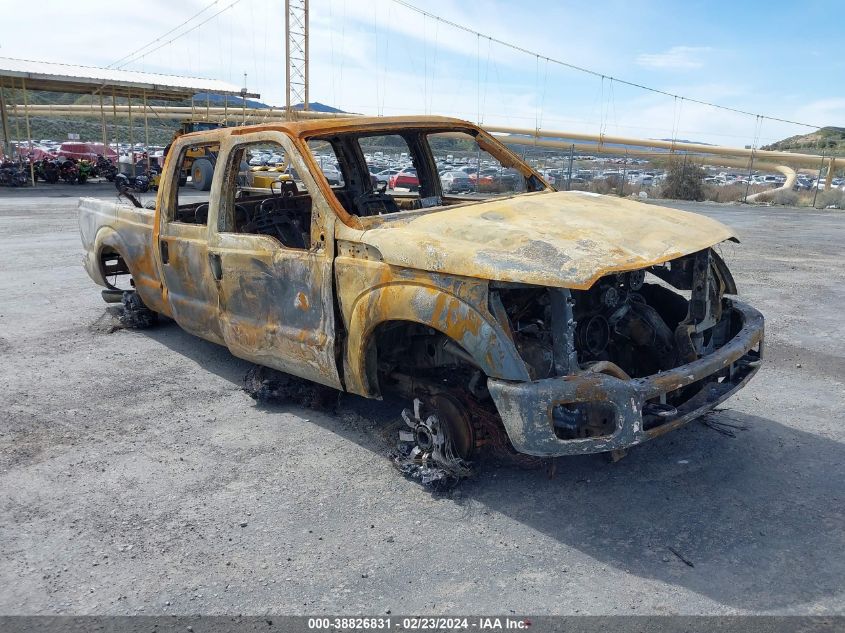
(802, 183)
(456, 182)
(332, 174)
(86, 151)
(384, 175)
(407, 178)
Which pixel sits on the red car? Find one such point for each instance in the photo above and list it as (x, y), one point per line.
(87, 151)
(406, 178)
(33, 153)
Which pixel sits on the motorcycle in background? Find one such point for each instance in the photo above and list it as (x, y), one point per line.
(83, 168)
(14, 174)
(68, 171)
(104, 168)
(47, 170)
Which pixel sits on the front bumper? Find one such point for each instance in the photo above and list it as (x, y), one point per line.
(526, 408)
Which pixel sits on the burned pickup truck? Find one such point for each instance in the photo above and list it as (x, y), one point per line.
(566, 322)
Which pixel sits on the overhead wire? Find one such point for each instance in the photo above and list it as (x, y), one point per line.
(134, 56)
(478, 75)
(674, 119)
(613, 105)
(603, 119)
(386, 60)
(425, 67)
(376, 39)
(536, 90)
(543, 94)
(158, 39)
(434, 65)
(758, 129)
(596, 73)
(486, 82)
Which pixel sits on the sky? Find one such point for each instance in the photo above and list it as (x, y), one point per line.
(378, 57)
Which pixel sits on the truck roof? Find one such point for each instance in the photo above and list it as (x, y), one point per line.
(313, 127)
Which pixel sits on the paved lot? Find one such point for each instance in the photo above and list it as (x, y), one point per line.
(136, 476)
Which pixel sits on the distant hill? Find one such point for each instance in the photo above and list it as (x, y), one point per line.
(621, 147)
(90, 128)
(316, 106)
(683, 140)
(216, 100)
(160, 130)
(828, 139)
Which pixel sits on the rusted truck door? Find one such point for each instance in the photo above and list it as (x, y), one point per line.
(275, 287)
(182, 251)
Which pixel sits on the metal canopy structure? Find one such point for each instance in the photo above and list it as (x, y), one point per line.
(25, 75)
(54, 77)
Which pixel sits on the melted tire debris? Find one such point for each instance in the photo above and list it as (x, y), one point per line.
(135, 314)
(269, 386)
(436, 477)
(436, 465)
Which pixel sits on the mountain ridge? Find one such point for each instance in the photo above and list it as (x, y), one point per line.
(828, 139)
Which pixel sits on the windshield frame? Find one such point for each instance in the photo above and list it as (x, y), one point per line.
(416, 135)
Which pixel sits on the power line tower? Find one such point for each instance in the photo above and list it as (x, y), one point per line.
(296, 52)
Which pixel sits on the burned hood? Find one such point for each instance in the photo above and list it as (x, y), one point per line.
(560, 239)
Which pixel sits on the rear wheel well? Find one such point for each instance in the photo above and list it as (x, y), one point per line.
(115, 269)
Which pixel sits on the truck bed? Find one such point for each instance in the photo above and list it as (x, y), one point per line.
(113, 227)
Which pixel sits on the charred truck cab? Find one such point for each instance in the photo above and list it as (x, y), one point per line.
(563, 322)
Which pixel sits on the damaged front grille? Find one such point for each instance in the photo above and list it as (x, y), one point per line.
(629, 325)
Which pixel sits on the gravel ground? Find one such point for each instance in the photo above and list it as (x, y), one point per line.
(137, 477)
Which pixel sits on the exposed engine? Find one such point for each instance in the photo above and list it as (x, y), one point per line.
(629, 319)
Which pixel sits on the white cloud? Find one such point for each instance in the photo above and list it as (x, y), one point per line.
(677, 57)
(380, 58)
(824, 112)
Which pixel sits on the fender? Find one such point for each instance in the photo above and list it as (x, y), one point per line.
(477, 332)
(137, 253)
(105, 237)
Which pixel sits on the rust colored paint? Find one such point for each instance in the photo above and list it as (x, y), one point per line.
(566, 239)
(273, 306)
(301, 302)
(372, 293)
(276, 305)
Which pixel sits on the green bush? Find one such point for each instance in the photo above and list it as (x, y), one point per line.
(684, 181)
(785, 197)
(729, 193)
(833, 197)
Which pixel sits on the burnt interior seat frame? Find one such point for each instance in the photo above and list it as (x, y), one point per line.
(285, 217)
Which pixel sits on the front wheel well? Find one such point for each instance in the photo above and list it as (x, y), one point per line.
(420, 363)
(406, 349)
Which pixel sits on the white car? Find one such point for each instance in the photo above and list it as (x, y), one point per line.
(384, 175)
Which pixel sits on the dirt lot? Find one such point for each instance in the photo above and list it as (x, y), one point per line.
(137, 477)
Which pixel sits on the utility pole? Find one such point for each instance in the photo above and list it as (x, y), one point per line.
(818, 181)
(296, 54)
(4, 122)
(624, 176)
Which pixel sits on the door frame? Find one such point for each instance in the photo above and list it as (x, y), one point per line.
(167, 229)
(312, 363)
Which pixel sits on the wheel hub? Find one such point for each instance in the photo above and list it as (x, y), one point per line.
(438, 442)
